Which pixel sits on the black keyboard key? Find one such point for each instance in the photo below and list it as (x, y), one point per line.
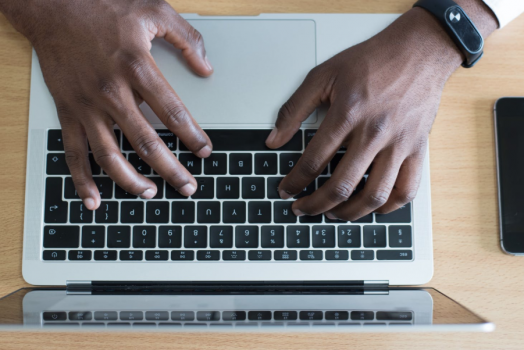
(205, 188)
(106, 315)
(394, 255)
(324, 236)
(308, 135)
(172, 193)
(337, 315)
(95, 168)
(182, 212)
(283, 212)
(259, 212)
(139, 164)
(221, 237)
(93, 236)
(157, 315)
(55, 210)
(170, 236)
(337, 255)
(55, 141)
(208, 255)
(240, 164)
(233, 315)
(208, 212)
(144, 236)
(288, 161)
(131, 316)
(290, 255)
(107, 213)
(306, 219)
(228, 188)
(247, 140)
(54, 316)
(266, 164)
(259, 315)
(182, 315)
(310, 255)
(157, 212)
(234, 212)
(105, 187)
(61, 236)
(311, 315)
(215, 164)
(234, 255)
(188, 255)
(253, 188)
(349, 236)
(208, 316)
(362, 255)
(259, 255)
(80, 316)
(54, 255)
(120, 193)
(297, 236)
(246, 236)
(105, 254)
(168, 137)
(401, 215)
(308, 190)
(159, 182)
(132, 255)
(272, 187)
(79, 255)
(272, 237)
(56, 164)
(157, 255)
(394, 315)
(132, 212)
(195, 236)
(192, 163)
(400, 236)
(118, 236)
(334, 161)
(69, 189)
(375, 236)
(79, 214)
(285, 315)
(362, 315)
(365, 219)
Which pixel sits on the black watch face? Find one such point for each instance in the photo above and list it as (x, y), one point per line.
(464, 29)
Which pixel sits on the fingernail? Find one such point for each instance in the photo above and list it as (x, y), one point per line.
(272, 136)
(284, 194)
(331, 216)
(204, 152)
(90, 203)
(298, 212)
(148, 194)
(187, 190)
(209, 66)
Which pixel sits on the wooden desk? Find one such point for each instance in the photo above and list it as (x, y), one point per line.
(469, 264)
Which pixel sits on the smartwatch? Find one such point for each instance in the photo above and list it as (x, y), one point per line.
(459, 27)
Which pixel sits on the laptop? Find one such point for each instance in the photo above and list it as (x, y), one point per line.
(217, 236)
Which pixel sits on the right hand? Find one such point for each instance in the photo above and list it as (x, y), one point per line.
(96, 63)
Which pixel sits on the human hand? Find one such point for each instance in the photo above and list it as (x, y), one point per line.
(96, 62)
(383, 96)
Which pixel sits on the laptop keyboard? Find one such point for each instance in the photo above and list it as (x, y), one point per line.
(236, 213)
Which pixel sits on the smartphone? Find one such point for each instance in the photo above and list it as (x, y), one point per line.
(509, 141)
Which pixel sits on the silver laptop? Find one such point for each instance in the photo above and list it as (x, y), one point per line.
(213, 236)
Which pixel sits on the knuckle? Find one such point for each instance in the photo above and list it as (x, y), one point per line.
(148, 146)
(107, 88)
(104, 158)
(310, 167)
(378, 128)
(194, 37)
(405, 196)
(174, 115)
(286, 111)
(73, 158)
(136, 68)
(377, 198)
(340, 191)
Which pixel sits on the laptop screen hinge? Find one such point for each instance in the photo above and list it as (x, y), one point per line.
(78, 287)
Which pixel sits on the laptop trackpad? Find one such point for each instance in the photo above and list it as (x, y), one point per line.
(258, 65)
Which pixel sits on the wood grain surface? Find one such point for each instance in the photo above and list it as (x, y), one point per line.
(469, 265)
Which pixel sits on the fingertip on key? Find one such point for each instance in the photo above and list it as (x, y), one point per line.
(90, 203)
(204, 152)
(330, 216)
(298, 212)
(187, 190)
(284, 195)
(148, 194)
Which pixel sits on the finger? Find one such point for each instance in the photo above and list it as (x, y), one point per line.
(315, 158)
(407, 183)
(76, 155)
(309, 95)
(148, 145)
(166, 104)
(107, 154)
(179, 33)
(376, 191)
(343, 182)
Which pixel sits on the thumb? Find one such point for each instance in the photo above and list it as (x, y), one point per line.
(298, 108)
(179, 33)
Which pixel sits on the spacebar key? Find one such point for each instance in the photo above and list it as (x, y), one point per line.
(247, 140)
